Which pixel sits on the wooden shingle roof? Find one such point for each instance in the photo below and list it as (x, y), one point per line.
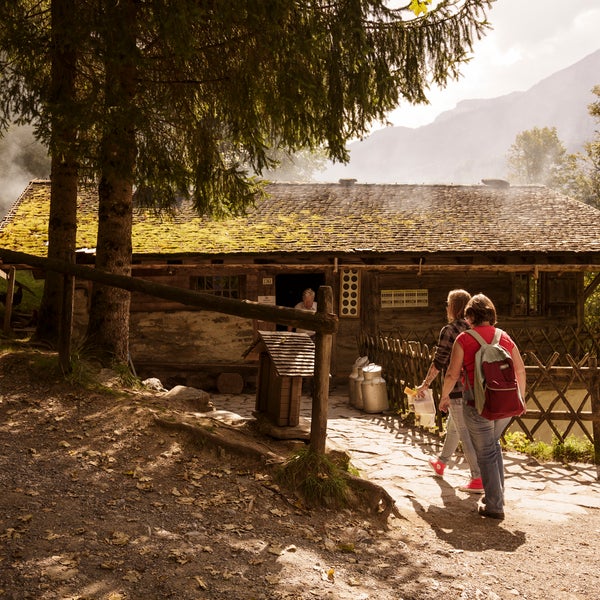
(293, 354)
(337, 218)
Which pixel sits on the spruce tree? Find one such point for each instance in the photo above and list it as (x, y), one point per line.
(180, 97)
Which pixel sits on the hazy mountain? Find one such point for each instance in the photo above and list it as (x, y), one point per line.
(471, 141)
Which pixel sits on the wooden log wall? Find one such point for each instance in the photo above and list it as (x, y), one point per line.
(497, 285)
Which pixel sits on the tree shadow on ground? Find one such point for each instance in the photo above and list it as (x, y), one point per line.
(458, 524)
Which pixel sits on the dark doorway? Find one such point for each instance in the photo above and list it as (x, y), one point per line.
(289, 288)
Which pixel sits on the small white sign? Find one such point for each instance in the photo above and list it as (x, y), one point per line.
(267, 281)
(266, 300)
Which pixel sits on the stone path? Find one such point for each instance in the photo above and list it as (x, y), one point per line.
(396, 457)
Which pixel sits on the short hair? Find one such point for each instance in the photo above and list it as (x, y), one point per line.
(479, 309)
(457, 300)
(308, 292)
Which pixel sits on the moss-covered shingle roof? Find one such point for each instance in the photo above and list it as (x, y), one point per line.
(302, 218)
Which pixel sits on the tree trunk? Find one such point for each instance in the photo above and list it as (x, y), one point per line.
(108, 327)
(62, 223)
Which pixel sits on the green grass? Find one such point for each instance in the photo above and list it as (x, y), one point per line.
(572, 449)
(32, 294)
(318, 480)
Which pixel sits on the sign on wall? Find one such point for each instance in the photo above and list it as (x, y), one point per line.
(404, 298)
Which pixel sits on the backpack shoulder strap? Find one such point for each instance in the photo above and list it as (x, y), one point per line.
(477, 337)
(497, 336)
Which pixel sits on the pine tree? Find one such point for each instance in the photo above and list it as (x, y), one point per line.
(183, 97)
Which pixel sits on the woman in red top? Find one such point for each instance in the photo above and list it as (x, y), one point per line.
(485, 434)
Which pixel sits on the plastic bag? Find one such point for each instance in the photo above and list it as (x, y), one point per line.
(423, 406)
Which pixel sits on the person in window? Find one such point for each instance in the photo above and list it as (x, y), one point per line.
(456, 429)
(308, 303)
(480, 312)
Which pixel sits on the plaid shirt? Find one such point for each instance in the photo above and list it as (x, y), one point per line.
(448, 334)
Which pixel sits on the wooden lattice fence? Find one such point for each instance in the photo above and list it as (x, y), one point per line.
(543, 342)
(562, 400)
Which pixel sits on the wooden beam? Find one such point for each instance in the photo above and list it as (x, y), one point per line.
(422, 269)
(319, 321)
(8, 301)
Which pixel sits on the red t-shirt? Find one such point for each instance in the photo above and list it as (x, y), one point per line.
(470, 346)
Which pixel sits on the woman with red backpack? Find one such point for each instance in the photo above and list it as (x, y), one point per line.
(480, 312)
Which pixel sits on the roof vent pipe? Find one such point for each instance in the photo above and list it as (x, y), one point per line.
(496, 183)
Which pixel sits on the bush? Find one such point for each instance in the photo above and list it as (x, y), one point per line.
(573, 449)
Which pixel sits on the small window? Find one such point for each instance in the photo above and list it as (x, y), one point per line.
(526, 295)
(226, 286)
(404, 298)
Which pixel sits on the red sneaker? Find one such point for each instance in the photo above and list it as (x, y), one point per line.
(475, 486)
(438, 466)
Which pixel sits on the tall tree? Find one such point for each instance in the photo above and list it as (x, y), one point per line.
(221, 82)
(187, 97)
(581, 176)
(38, 66)
(62, 222)
(537, 156)
(108, 328)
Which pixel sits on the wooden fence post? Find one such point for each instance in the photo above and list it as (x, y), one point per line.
(594, 382)
(320, 400)
(65, 328)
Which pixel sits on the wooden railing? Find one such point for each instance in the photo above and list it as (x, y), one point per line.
(543, 342)
(563, 399)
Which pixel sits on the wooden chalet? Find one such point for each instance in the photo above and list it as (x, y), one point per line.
(390, 253)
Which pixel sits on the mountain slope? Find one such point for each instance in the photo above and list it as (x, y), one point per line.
(471, 141)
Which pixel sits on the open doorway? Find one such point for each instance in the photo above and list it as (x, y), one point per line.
(289, 288)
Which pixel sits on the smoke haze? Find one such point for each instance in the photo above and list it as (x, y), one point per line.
(22, 158)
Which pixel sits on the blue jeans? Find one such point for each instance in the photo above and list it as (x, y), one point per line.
(485, 435)
(456, 430)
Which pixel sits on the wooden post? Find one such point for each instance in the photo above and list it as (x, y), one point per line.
(594, 383)
(320, 400)
(8, 302)
(65, 328)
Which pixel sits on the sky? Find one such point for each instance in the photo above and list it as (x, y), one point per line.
(530, 40)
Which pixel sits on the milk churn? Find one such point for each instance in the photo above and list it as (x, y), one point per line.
(374, 390)
(353, 382)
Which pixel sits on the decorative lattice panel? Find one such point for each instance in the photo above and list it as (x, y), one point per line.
(349, 293)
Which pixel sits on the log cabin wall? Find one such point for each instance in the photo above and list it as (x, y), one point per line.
(559, 299)
(185, 345)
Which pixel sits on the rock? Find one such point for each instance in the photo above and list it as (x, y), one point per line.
(154, 384)
(198, 399)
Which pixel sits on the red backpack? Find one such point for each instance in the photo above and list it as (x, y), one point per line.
(496, 391)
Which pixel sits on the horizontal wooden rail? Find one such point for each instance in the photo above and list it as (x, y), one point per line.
(320, 322)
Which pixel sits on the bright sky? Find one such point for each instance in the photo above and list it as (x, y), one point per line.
(530, 40)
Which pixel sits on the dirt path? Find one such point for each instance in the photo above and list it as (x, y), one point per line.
(99, 503)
